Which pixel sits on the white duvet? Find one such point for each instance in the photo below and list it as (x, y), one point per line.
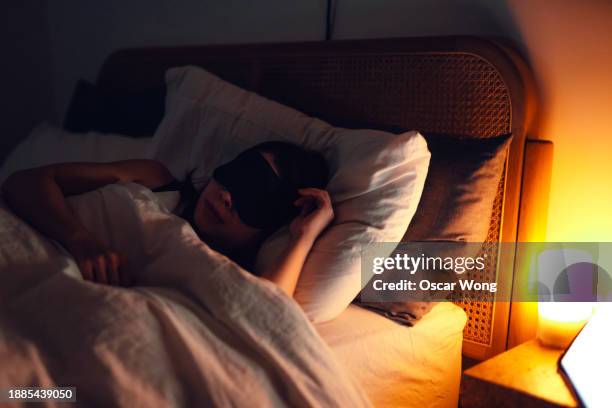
(196, 331)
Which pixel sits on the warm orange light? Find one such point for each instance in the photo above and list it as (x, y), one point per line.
(571, 63)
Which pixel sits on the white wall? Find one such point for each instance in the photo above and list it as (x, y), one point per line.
(570, 45)
(567, 42)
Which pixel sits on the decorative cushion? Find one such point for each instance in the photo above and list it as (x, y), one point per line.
(134, 114)
(460, 189)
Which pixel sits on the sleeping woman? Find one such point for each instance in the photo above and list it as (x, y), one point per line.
(246, 200)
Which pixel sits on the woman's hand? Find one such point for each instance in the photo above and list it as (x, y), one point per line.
(97, 262)
(316, 213)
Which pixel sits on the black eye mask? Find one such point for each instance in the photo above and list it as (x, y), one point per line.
(260, 197)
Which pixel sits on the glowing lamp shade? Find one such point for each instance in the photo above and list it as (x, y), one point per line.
(558, 323)
(566, 295)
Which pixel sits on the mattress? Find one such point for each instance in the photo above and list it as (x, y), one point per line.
(398, 365)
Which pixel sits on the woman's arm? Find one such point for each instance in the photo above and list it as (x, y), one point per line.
(38, 196)
(316, 213)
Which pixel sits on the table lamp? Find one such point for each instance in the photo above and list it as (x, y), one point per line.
(566, 295)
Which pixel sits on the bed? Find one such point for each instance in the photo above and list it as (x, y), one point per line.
(455, 85)
(466, 86)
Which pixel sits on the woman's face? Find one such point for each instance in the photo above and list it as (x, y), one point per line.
(218, 222)
(217, 219)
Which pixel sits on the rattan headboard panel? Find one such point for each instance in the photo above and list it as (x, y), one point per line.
(457, 94)
(453, 85)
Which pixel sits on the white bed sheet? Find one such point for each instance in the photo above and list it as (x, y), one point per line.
(397, 365)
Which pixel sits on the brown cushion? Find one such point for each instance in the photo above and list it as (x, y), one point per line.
(134, 114)
(460, 189)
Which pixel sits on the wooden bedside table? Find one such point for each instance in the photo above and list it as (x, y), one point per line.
(524, 376)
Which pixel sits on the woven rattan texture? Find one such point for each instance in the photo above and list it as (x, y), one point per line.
(459, 94)
(449, 93)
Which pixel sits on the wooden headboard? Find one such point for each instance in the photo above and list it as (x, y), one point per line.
(451, 85)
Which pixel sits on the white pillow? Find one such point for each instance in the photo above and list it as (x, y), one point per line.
(49, 144)
(376, 177)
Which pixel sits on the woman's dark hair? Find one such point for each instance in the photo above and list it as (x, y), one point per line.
(298, 166)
